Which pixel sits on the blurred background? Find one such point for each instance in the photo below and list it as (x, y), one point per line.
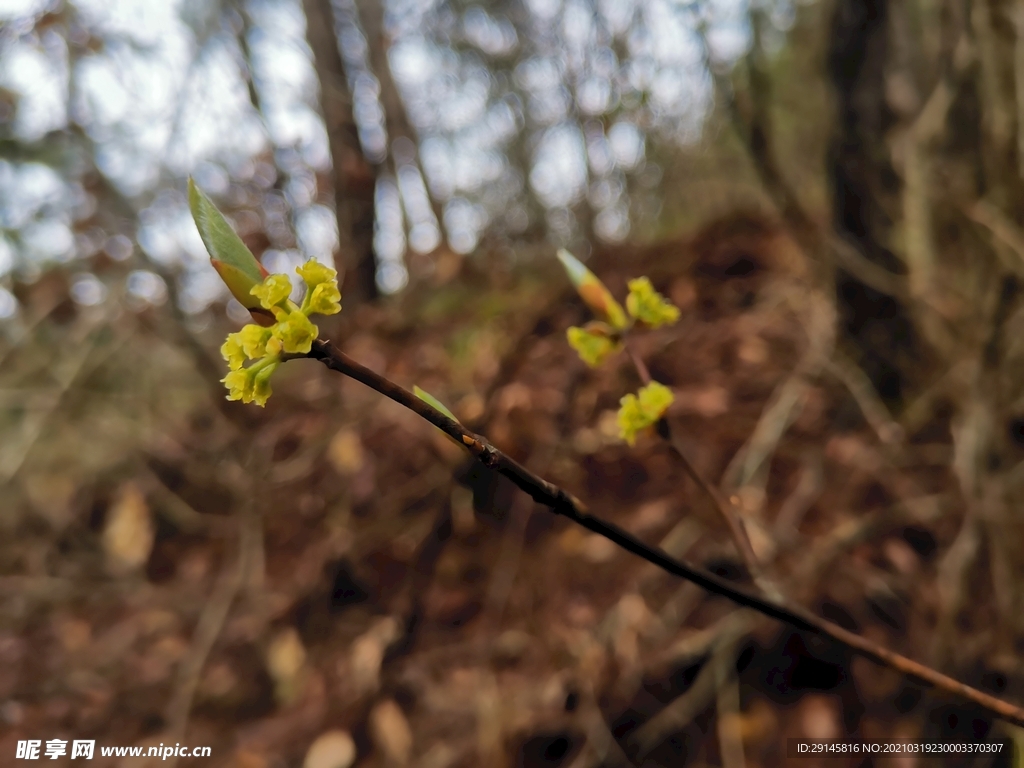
(830, 190)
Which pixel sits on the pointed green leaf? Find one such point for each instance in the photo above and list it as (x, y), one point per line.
(432, 401)
(235, 264)
(593, 291)
(238, 282)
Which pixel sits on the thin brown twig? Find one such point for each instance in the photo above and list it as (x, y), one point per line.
(1005, 231)
(235, 575)
(684, 708)
(211, 621)
(563, 503)
(728, 514)
(727, 706)
(889, 432)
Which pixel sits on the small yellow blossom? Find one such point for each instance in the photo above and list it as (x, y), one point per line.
(594, 343)
(261, 385)
(322, 294)
(239, 384)
(313, 273)
(294, 331)
(233, 351)
(291, 333)
(649, 306)
(643, 409)
(254, 340)
(273, 292)
(324, 299)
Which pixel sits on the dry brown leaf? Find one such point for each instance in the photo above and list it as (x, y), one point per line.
(367, 653)
(471, 407)
(903, 558)
(346, 452)
(128, 533)
(818, 717)
(332, 749)
(758, 723)
(651, 515)
(705, 401)
(391, 733)
(608, 425)
(597, 549)
(683, 292)
(244, 758)
(286, 662)
(753, 350)
(217, 682)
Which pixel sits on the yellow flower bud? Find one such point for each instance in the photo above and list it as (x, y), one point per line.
(254, 340)
(325, 299)
(295, 332)
(643, 409)
(594, 343)
(649, 306)
(233, 351)
(239, 384)
(261, 385)
(273, 292)
(313, 273)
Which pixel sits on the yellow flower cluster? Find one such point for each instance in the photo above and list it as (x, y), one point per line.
(649, 306)
(643, 409)
(595, 341)
(292, 333)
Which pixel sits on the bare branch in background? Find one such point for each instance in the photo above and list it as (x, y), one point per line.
(753, 119)
(401, 134)
(354, 177)
(1004, 230)
(211, 621)
(728, 513)
(723, 640)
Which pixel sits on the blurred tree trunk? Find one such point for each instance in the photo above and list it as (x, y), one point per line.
(865, 187)
(354, 177)
(396, 119)
(925, 172)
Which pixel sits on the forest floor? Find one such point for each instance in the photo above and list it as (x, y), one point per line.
(334, 572)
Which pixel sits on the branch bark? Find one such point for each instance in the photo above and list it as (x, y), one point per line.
(561, 502)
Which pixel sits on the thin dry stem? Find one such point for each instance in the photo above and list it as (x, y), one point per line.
(681, 711)
(563, 503)
(725, 509)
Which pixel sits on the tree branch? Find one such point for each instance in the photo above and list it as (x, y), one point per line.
(563, 503)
